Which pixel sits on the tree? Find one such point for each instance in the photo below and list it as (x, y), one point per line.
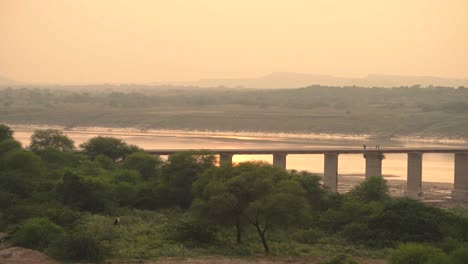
(372, 189)
(113, 148)
(148, 165)
(50, 138)
(85, 194)
(9, 145)
(5, 132)
(254, 192)
(180, 171)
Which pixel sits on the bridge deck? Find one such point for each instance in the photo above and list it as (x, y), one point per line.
(315, 151)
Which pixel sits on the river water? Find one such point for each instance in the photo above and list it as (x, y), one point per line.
(436, 167)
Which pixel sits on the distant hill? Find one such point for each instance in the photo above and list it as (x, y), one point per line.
(294, 80)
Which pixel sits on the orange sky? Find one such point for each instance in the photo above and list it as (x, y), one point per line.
(159, 40)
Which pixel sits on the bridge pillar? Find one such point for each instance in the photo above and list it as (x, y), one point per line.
(460, 186)
(225, 159)
(279, 160)
(330, 174)
(373, 164)
(414, 176)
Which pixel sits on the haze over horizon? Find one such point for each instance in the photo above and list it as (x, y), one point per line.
(124, 41)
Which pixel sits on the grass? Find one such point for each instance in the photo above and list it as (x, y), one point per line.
(146, 234)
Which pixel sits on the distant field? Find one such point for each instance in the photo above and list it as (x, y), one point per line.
(432, 112)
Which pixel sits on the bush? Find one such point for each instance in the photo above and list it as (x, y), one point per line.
(459, 256)
(309, 236)
(372, 189)
(191, 231)
(407, 220)
(359, 233)
(413, 253)
(36, 233)
(341, 259)
(79, 246)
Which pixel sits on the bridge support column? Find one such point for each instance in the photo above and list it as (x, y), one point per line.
(373, 164)
(460, 186)
(279, 160)
(225, 159)
(330, 174)
(414, 176)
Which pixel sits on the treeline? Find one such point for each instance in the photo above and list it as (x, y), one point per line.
(113, 200)
(426, 99)
(407, 111)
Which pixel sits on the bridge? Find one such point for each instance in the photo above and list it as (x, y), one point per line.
(373, 158)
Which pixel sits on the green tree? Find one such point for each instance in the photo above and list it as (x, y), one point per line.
(262, 195)
(372, 189)
(8, 145)
(180, 171)
(50, 138)
(84, 194)
(5, 132)
(148, 165)
(113, 148)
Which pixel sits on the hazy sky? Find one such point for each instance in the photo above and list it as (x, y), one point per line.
(160, 40)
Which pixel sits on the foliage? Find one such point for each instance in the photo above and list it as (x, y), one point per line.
(231, 209)
(181, 170)
(5, 132)
(308, 236)
(111, 147)
(192, 231)
(372, 189)
(36, 233)
(341, 259)
(459, 256)
(260, 194)
(412, 253)
(79, 246)
(83, 194)
(8, 145)
(147, 164)
(50, 138)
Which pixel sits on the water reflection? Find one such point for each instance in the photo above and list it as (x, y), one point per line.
(436, 167)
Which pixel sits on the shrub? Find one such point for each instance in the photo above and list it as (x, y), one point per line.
(309, 236)
(358, 232)
(372, 189)
(459, 256)
(36, 233)
(79, 246)
(407, 220)
(191, 231)
(413, 253)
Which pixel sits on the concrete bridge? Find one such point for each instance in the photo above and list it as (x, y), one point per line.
(373, 164)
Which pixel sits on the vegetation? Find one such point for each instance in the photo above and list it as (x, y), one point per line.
(430, 111)
(64, 203)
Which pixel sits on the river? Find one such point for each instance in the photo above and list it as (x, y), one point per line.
(436, 167)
